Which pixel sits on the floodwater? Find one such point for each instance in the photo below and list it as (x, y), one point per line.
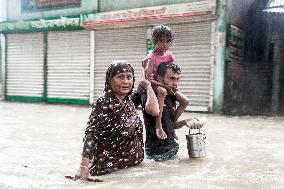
(41, 143)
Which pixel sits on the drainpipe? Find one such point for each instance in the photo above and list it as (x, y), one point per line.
(276, 73)
(3, 67)
(3, 12)
(218, 100)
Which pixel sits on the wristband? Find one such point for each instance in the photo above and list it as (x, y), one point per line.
(82, 166)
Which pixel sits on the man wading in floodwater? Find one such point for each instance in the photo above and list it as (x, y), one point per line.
(165, 149)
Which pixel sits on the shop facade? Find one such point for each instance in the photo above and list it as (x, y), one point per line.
(47, 60)
(275, 52)
(64, 59)
(124, 35)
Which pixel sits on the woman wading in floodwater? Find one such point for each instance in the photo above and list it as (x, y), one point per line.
(114, 135)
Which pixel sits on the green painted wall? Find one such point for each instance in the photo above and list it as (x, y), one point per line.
(112, 5)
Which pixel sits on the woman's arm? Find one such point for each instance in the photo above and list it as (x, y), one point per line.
(151, 106)
(83, 171)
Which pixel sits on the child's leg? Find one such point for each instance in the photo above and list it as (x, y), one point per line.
(161, 95)
(183, 103)
(149, 69)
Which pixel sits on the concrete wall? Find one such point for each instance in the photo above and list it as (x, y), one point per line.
(15, 11)
(237, 11)
(112, 5)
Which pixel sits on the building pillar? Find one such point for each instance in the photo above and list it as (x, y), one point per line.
(219, 76)
(276, 73)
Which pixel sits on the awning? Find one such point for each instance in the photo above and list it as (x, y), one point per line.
(61, 23)
(275, 6)
(205, 7)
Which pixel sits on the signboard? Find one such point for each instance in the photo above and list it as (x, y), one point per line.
(57, 23)
(148, 13)
(38, 25)
(35, 5)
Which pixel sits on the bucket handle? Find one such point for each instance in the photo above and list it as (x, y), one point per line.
(192, 129)
(198, 131)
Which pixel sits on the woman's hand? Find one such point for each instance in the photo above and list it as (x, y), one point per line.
(143, 82)
(82, 173)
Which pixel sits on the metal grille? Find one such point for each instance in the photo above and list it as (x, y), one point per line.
(25, 65)
(68, 65)
(118, 44)
(192, 50)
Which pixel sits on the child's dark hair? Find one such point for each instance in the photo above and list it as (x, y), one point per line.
(164, 66)
(161, 30)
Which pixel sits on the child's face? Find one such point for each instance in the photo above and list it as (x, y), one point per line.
(163, 44)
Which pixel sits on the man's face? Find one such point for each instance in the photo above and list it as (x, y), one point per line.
(171, 78)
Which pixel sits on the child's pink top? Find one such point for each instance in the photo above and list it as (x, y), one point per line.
(157, 60)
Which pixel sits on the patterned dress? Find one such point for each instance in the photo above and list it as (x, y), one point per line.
(114, 135)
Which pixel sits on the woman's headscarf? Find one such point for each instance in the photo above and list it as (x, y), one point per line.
(117, 67)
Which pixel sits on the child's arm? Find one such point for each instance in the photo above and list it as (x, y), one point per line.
(183, 103)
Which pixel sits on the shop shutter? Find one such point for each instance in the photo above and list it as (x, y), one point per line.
(118, 44)
(25, 66)
(1, 92)
(192, 49)
(68, 66)
(281, 79)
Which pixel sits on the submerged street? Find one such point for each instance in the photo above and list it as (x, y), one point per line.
(41, 143)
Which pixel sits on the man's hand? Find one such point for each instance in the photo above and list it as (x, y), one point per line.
(195, 123)
(170, 89)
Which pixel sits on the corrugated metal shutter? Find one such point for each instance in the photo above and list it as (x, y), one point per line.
(1, 92)
(118, 44)
(192, 49)
(281, 79)
(68, 67)
(25, 65)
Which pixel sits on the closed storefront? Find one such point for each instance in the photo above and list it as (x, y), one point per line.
(192, 48)
(1, 80)
(281, 78)
(68, 66)
(119, 44)
(193, 26)
(25, 58)
(193, 51)
(71, 65)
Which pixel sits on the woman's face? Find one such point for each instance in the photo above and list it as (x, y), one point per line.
(121, 84)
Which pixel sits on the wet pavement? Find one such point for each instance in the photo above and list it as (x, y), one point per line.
(40, 143)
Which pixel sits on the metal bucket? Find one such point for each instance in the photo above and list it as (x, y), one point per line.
(196, 144)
